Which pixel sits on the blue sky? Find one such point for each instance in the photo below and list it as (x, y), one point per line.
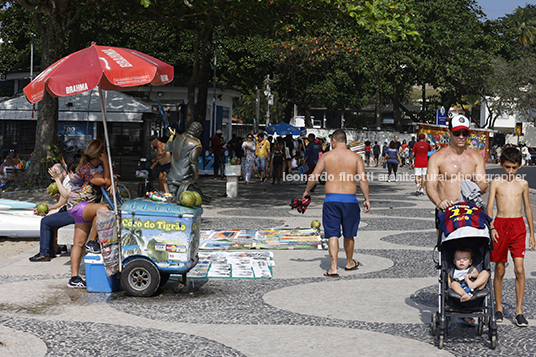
(498, 8)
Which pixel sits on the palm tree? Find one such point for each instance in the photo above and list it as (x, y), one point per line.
(133, 237)
(523, 22)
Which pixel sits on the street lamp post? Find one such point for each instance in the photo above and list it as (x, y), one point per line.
(269, 98)
(32, 35)
(213, 121)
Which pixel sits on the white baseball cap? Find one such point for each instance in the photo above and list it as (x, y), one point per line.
(459, 122)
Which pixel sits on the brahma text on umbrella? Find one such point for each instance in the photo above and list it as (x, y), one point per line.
(120, 60)
(80, 87)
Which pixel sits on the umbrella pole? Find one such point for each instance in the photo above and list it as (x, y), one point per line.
(107, 143)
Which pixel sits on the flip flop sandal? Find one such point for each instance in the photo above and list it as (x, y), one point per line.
(331, 275)
(354, 267)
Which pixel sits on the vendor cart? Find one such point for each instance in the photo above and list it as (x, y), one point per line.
(158, 239)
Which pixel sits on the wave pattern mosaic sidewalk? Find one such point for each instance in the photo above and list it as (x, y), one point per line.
(381, 309)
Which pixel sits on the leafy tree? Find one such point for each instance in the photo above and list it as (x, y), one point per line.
(16, 32)
(450, 56)
(509, 88)
(390, 17)
(52, 21)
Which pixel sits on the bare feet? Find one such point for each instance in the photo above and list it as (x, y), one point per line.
(465, 297)
(469, 283)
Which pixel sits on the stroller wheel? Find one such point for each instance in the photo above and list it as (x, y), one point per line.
(441, 341)
(480, 326)
(493, 342)
(434, 324)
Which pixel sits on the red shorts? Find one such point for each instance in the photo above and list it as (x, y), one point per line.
(512, 236)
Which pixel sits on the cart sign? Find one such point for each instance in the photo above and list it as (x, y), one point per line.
(441, 116)
(167, 234)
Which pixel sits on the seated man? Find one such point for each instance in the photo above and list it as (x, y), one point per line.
(56, 216)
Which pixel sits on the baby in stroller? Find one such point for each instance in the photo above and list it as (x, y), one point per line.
(465, 289)
(463, 278)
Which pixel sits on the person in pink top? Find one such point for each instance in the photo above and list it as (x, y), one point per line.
(419, 155)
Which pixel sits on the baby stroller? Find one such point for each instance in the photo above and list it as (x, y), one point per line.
(464, 224)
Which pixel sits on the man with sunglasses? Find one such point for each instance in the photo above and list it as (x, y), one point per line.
(453, 164)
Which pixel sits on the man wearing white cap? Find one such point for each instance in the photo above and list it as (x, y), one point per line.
(448, 167)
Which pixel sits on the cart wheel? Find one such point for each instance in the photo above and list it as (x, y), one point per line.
(164, 277)
(480, 326)
(140, 278)
(493, 342)
(441, 341)
(434, 324)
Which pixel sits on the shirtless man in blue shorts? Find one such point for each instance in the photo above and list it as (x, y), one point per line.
(343, 167)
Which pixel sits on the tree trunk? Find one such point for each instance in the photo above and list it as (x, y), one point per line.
(289, 112)
(46, 132)
(203, 77)
(308, 121)
(423, 108)
(190, 113)
(396, 107)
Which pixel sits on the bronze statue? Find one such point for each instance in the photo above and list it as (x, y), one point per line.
(185, 151)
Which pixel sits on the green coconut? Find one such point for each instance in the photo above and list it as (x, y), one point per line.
(53, 188)
(198, 199)
(42, 208)
(188, 199)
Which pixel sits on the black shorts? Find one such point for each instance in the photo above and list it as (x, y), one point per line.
(165, 168)
(278, 160)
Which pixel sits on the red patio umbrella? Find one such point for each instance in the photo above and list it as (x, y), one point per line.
(109, 68)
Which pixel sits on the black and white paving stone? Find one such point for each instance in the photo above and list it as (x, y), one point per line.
(294, 305)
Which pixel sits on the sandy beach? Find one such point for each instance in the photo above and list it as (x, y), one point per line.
(12, 247)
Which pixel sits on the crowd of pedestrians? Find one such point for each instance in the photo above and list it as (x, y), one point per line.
(264, 157)
(527, 159)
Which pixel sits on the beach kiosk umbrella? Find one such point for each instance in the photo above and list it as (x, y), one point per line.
(283, 129)
(109, 68)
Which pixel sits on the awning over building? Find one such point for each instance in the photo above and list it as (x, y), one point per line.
(82, 107)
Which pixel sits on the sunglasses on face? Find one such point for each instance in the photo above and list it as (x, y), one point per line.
(463, 133)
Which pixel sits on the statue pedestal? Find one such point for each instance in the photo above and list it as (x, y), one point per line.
(232, 172)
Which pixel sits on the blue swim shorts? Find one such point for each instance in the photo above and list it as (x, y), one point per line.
(77, 211)
(340, 209)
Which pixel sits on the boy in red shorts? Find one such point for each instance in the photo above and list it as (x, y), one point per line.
(508, 229)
